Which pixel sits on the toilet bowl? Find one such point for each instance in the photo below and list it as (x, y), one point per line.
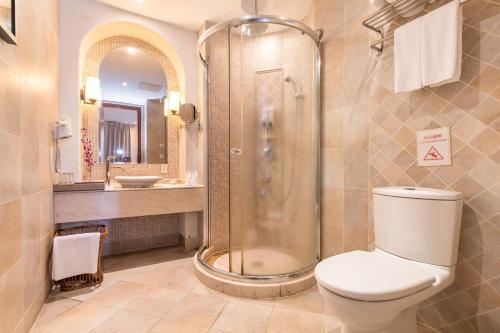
(416, 238)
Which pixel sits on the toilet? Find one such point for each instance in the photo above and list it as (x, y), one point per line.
(416, 246)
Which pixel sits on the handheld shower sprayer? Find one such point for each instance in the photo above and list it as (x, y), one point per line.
(289, 79)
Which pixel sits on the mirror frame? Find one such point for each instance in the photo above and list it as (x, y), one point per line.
(9, 35)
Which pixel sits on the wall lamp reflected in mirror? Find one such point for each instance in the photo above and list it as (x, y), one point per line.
(91, 92)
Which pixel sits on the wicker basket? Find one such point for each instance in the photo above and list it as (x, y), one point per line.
(84, 280)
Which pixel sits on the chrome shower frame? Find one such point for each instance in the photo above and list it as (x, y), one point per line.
(316, 36)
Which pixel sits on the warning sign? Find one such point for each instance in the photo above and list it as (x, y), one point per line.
(433, 147)
(433, 155)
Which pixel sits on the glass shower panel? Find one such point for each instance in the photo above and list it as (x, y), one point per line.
(273, 159)
(236, 157)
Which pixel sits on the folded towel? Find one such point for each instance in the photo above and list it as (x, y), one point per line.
(75, 254)
(407, 60)
(442, 45)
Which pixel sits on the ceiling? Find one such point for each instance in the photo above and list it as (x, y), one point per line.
(190, 14)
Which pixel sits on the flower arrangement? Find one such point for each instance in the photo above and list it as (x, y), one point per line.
(88, 152)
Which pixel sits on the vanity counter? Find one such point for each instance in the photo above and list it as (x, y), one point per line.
(159, 186)
(119, 202)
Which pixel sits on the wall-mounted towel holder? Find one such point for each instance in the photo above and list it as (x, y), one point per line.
(388, 14)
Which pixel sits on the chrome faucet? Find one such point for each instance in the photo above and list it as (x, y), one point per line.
(109, 159)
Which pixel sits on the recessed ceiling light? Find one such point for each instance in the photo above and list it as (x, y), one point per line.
(132, 50)
(139, 1)
(124, 84)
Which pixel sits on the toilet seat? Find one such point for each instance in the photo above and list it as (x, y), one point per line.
(372, 276)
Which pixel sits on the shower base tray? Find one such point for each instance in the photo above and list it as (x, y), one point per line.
(211, 270)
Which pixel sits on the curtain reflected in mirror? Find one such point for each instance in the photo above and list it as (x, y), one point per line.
(120, 132)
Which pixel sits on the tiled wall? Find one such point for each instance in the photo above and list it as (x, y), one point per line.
(90, 113)
(218, 141)
(137, 233)
(28, 106)
(369, 140)
(345, 125)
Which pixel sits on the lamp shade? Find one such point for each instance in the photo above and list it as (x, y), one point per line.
(174, 101)
(165, 106)
(92, 89)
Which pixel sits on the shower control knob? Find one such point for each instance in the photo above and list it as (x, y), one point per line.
(236, 151)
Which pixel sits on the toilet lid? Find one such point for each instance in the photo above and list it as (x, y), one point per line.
(372, 276)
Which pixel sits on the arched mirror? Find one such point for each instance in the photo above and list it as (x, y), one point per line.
(132, 123)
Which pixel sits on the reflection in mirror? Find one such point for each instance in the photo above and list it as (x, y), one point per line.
(6, 13)
(132, 125)
(8, 21)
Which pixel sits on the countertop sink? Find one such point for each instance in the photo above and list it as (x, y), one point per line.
(137, 181)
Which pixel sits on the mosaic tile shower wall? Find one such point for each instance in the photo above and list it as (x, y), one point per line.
(90, 113)
(369, 141)
(218, 180)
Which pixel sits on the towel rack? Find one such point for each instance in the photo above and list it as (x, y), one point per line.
(388, 14)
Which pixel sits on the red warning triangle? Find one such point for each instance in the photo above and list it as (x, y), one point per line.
(433, 155)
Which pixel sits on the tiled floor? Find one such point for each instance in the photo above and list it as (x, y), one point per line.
(156, 291)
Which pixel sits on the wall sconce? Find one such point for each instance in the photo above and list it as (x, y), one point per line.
(174, 102)
(91, 92)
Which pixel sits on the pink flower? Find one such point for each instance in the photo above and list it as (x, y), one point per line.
(88, 152)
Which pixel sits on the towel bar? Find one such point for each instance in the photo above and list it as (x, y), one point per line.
(388, 14)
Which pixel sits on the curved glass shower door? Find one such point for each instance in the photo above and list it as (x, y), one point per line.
(273, 148)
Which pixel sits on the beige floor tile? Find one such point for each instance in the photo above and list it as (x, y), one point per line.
(243, 317)
(332, 324)
(165, 326)
(198, 310)
(82, 318)
(178, 279)
(54, 307)
(204, 290)
(126, 322)
(149, 275)
(118, 294)
(86, 293)
(123, 270)
(308, 301)
(293, 321)
(155, 301)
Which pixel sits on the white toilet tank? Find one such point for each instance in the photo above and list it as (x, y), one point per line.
(421, 224)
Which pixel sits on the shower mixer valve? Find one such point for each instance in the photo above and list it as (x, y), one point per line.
(267, 117)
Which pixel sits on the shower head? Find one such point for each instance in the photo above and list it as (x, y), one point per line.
(252, 8)
(254, 29)
(289, 79)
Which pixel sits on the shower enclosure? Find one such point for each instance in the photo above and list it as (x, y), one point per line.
(262, 149)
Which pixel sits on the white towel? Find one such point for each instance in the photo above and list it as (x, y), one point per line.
(442, 45)
(407, 56)
(75, 254)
